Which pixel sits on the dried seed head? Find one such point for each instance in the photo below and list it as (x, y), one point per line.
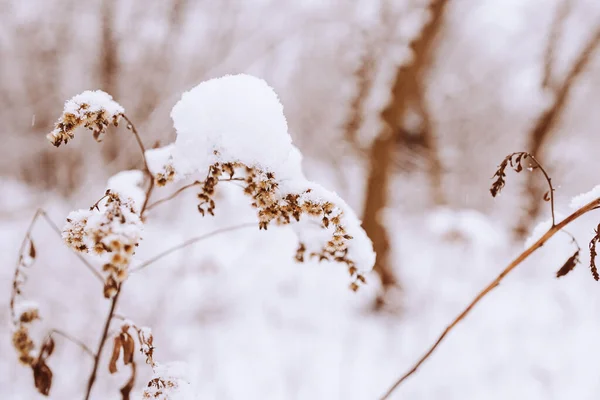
(279, 208)
(112, 230)
(95, 110)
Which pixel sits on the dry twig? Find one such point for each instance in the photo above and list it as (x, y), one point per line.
(515, 263)
(515, 162)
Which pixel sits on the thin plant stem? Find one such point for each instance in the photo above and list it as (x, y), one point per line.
(73, 340)
(551, 188)
(515, 263)
(147, 171)
(89, 266)
(190, 242)
(98, 354)
(27, 239)
(115, 299)
(184, 188)
(175, 194)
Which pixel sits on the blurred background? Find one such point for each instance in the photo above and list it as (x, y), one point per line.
(405, 108)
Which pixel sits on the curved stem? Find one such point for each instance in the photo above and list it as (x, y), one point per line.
(15, 284)
(549, 185)
(515, 263)
(147, 171)
(190, 242)
(175, 194)
(184, 188)
(74, 340)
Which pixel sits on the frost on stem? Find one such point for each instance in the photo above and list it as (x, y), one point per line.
(233, 128)
(110, 229)
(94, 110)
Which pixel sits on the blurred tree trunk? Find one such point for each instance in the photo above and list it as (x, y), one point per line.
(109, 69)
(157, 58)
(407, 96)
(545, 125)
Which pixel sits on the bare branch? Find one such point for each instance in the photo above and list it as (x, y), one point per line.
(555, 30)
(515, 263)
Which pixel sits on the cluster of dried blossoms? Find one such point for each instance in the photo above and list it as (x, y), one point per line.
(111, 230)
(283, 207)
(25, 313)
(95, 110)
(162, 160)
(163, 385)
(165, 176)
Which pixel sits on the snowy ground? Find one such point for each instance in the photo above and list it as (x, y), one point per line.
(253, 325)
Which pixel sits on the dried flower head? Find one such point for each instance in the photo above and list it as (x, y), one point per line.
(289, 204)
(110, 229)
(160, 162)
(165, 176)
(94, 110)
(167, 383)
(515, 160)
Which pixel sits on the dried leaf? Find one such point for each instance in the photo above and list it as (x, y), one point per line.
(126, 390)
(547, 196)
(112, 365)
(519, 167)
(42, 377)
(47, 348)
(32, 251)
(569, 265)
(128, 348)
(513, 160)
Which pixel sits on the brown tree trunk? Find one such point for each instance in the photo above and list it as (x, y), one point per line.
(407, 95)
